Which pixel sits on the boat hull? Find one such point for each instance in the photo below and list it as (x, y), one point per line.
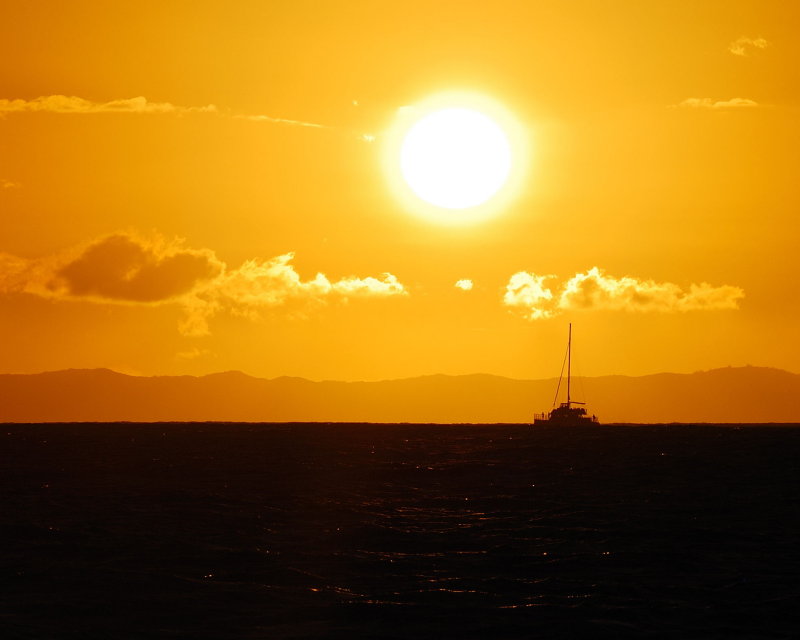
(577, 422)
(565, 416)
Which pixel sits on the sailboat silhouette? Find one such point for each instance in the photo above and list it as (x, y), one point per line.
(565, 414)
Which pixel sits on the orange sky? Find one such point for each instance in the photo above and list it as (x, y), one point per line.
(162, 162)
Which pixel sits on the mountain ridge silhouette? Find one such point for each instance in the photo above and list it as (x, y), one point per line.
(731, 394)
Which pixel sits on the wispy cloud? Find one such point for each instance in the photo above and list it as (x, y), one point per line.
(192, 354)
(140, 104)
(74, 104)
(708, 103)
(127, 268)
(742, 45)
(9, 184)
(296, 123)
(594, 290)
(464, 285)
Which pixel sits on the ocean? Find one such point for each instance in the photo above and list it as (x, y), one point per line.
(351, 531)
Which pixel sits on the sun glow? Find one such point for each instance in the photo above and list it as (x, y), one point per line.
(456, 158)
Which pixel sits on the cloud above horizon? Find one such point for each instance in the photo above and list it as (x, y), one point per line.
(708, 103)
(743, 44)
(259, 285)
(74, 104)
(140, 104)
(295, 123)
(120, 268)
(465, 285)
(126, 268)
(527, 295)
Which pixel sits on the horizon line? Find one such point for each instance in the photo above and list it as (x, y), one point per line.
(400, 379)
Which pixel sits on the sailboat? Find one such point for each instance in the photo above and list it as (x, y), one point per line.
(565, 415)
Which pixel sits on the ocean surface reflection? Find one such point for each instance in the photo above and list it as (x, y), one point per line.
(400, 531)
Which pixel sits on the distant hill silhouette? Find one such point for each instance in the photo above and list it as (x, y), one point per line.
(743, 394)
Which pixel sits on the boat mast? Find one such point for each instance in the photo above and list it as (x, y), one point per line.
(569, 361)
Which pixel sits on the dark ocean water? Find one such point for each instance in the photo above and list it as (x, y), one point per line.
(399, 531)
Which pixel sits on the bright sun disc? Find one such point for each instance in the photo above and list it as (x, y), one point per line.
(455, 158)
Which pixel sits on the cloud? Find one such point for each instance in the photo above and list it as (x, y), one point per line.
(742, 45)
(527, 295)
(9, 184)
(16, 274)
(708, 103)
(74, 104)
(121, 268)
(296, 123)
(125, 268)
(260, 285)
(140, 104)
(387, 285)
(464, 285)
(273, 282)
(363, 137)
(595, 290)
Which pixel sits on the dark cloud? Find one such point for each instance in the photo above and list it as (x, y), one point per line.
(128, 269)
(123, 268)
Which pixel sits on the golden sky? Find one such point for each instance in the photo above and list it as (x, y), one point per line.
(189, 187)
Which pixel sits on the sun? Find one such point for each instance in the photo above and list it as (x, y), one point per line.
(456, 158)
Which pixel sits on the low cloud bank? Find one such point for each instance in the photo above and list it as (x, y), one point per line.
(130, 269)
(527, 294)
